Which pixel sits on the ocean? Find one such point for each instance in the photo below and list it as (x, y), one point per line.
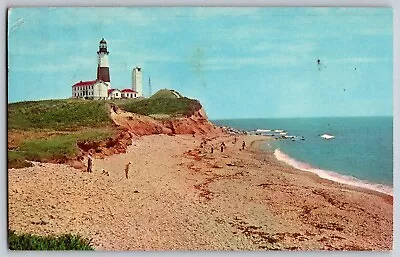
(361, 153)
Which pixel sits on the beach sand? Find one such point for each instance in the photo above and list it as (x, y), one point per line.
(181, 197)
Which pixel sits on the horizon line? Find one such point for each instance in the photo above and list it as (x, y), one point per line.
(304, 117)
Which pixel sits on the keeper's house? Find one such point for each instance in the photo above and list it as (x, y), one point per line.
(93, 89)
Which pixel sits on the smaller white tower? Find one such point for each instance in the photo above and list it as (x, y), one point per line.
(137, 81)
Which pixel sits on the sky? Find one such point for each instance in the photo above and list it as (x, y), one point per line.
(238, 62)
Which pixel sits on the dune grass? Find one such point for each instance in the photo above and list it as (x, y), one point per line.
(66, 121)
(174, 107)
(54, 127)
(166, 93)
(35, 242)
(55, 147)
(57, 114)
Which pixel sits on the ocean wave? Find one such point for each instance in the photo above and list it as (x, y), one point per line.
(333, 176)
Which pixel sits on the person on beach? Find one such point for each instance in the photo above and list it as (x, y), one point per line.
(222, 147)
(243, 145)
(235, 140)
(212, 149)
(90, 162)
(127, 169)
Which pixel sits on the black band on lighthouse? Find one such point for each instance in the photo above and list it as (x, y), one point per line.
(103, 74)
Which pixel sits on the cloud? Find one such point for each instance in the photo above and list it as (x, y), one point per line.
(360, 60)
(295, 47)
(134, 16)
(71, 63)
(142, 57)
(376, 31)
(268, 61)
(51, 47)
(207, 12)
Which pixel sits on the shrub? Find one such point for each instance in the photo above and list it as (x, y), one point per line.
(35, 242)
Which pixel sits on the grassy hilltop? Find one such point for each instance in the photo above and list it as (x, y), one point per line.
(50, 129)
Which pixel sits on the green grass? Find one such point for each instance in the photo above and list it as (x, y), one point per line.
(74, 120)
(174, 107)
(55, 147)
(124, 101)
(35, 242)
(57, 114)
(16, 159)
(165, 93)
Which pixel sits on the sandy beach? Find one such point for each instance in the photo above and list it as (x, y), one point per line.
(180, 196)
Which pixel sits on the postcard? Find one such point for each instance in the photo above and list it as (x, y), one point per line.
(200, 128)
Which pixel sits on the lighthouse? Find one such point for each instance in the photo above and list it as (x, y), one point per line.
(103, 68)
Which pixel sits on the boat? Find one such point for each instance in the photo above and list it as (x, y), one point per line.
(282, 133)
(278, 130)
(327, 136)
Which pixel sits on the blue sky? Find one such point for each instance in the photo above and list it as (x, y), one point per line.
(239, 62)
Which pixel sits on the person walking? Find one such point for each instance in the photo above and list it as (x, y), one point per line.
(243, 145)
(127, 169)
(90, 162)
(212, 149)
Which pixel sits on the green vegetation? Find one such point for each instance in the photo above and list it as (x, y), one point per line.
(55, 147)
(166, 93)
(57, 114)
(176, 107)
(50, 129)
(16, 159)
(34, 242)
(67, 122)
(124, 101)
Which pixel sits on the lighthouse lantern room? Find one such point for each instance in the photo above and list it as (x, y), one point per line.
(103, 68)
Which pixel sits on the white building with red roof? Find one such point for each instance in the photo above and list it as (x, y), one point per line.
(129, 93)
(114, 94)
(93, 89)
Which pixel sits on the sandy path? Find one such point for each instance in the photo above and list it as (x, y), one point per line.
(197, 201)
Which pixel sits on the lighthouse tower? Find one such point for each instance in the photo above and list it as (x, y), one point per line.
(137, 81)
(103, 68)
